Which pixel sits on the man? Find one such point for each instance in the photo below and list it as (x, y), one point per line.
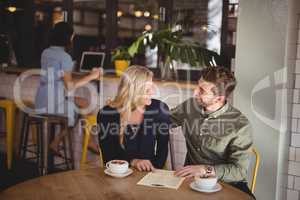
(218, 136)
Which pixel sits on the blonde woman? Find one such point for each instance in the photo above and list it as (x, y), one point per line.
(133, 126)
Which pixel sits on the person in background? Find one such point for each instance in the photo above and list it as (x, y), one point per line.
(56, 80)
(218, 136)
(133, 126)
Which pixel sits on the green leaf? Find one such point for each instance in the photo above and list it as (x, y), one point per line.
(174, 53)
(200, 57)
(183, 55)
(192, 59)
(172, 46)
(167, 50)
(134, 48)
(121, 53)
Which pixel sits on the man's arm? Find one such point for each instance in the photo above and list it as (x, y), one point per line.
(177, 114)
(238, 157)
(237, 162)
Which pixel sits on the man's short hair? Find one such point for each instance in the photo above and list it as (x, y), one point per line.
(222, 78)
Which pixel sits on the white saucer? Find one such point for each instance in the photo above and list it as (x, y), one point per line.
(217, 188)
(108, 172)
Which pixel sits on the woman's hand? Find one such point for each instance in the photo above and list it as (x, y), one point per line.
(96, 73)
(142, 165)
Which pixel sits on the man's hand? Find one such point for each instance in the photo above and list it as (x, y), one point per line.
(195, 170)
(142, 165)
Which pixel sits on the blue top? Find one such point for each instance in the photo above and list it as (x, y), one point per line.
(51, 97)
(148, 140)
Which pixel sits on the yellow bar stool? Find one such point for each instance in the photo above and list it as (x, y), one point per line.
(90, 122)
(10, 108)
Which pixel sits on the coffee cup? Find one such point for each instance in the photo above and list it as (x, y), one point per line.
(206, 183)
(117, 166)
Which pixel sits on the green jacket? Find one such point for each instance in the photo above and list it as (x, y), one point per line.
(222, 139)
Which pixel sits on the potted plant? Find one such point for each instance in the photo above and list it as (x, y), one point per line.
(172, 46)
(121, 59)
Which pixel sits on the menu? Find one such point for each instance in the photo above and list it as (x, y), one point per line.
(162, 179)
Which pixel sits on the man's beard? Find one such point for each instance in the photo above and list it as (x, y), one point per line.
(202, 103)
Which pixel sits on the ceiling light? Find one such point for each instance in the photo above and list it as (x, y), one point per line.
(204, 28)
(155, 16)
(138, 13)
(12, 9)
(146, 14)
(119, 13)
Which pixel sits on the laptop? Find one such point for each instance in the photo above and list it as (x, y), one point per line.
(90, 59)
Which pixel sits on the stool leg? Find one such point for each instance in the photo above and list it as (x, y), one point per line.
(10, 117)
(51, 134)
(24, 136)
(38, 146)
(85, 146)
(45, 147)
(65, 152)
(41, 147)
(34, 134)
(26, 139)
(69, 135)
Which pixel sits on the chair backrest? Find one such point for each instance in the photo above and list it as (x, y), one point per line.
(255, 168)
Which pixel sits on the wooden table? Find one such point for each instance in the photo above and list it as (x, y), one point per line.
(94, 184)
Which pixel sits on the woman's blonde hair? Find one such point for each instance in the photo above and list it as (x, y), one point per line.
(131, 89)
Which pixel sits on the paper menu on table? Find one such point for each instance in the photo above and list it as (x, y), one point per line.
(161, 178)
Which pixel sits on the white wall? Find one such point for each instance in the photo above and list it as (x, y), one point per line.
(214, 21)
(262, 88)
